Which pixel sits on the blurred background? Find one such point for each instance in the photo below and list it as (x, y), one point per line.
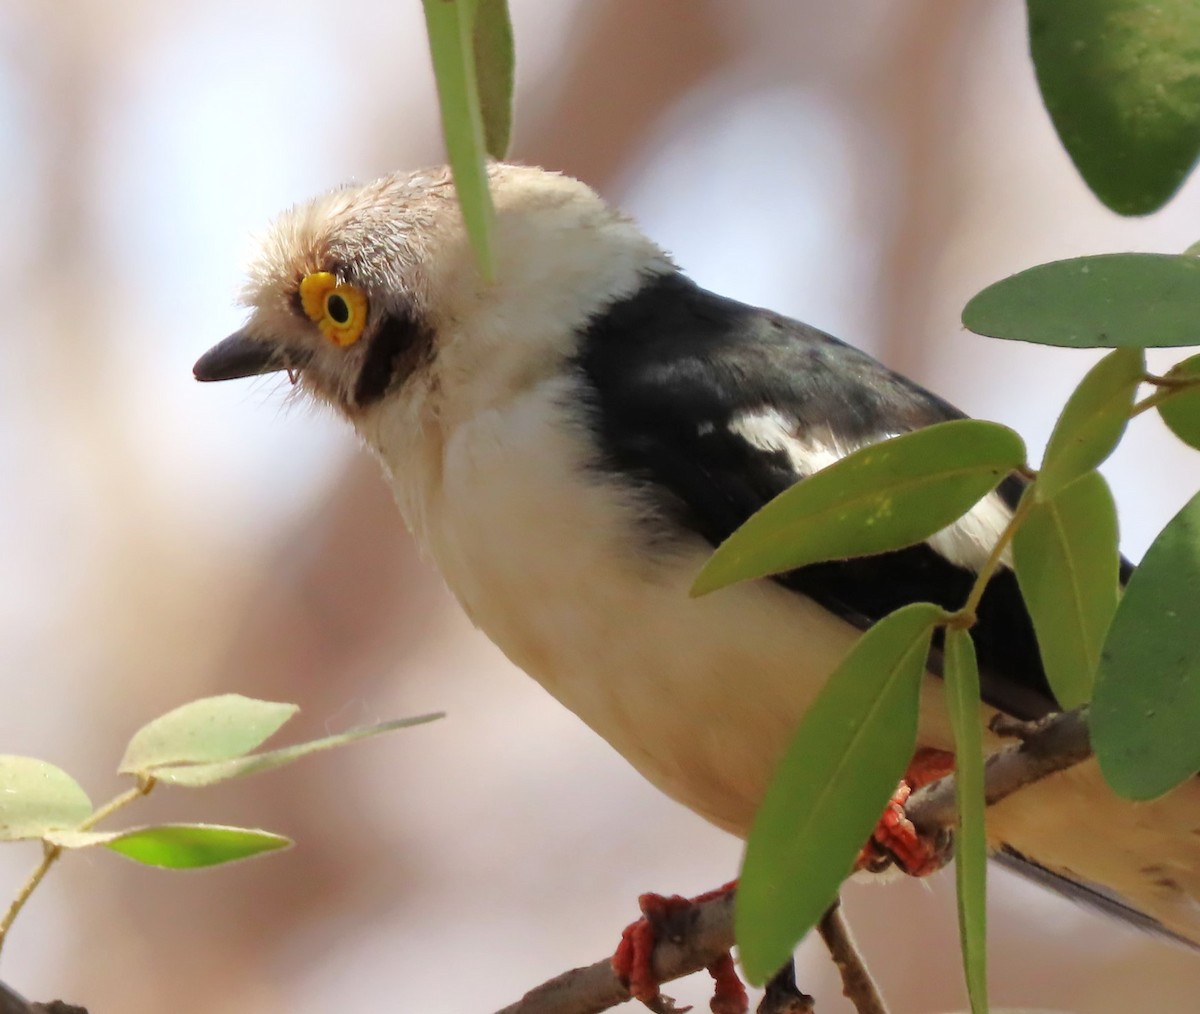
(863, 165)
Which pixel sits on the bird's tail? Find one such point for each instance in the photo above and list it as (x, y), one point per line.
(1139, 862)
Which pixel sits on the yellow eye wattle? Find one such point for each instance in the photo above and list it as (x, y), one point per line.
(340, 311)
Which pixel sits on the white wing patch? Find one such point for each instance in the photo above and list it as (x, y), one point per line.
(966, 542)
(768, 429)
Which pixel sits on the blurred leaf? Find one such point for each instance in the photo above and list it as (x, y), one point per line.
(886, 496)
(1125, 300)
(961, 673)
(1121, 81)
(210, 729)
(494, 61)
(1181, 411)
(36, 797)
(1068, 566)
(196, 775)
(1093, 420)
(450, 24)
(177, 846)
(826, 796)
(1145, 719)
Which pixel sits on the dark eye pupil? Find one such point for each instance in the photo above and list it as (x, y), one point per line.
(337, 308)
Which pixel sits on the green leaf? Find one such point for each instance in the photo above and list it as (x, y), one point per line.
(1124, 300)
(36, 797)
(961, 674)
(178, 846)
(450, 24)
(494, 62)
(1068, 566)
(825, 798)
(196, 775)
(1093, 420)
(1145, 718)
(1181, 411)
(210, 729)
(1121, 81)
(886, 496)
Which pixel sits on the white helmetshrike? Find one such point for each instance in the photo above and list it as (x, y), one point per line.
(569, 442)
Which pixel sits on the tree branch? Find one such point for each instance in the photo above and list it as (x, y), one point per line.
(705, 931)
(12, 1002)
(701, 934)
(1046, 747)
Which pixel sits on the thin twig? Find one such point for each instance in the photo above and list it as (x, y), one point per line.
(1047, 747)
(857, 985)
(51, 853)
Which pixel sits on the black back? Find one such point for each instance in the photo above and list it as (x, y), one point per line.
(672, 368)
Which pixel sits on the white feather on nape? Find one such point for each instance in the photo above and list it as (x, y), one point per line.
(966, 542)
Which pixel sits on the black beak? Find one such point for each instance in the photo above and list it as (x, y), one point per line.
(239, 355)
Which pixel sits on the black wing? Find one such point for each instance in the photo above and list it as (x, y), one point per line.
(674, 368)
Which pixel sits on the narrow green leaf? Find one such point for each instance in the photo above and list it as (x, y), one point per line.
(210, 729)
(1121, 81)
(178, 846)
(1181, 411)
(961, 673)
(1124, 300)
(1145, 719)
(1068, 567)
(1093, 420)
(825, 798)
(450, 24)
(36, 797)
(494, 63)
(882, 497)
(196, 775)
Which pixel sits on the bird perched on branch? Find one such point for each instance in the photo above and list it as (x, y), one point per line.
(570, 440)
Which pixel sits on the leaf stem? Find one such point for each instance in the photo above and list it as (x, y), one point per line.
(1155, 399)
(50, 853)
(1171, 382)
(143, 787)
(964, 618)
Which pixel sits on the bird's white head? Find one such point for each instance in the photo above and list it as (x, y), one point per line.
(370, 294)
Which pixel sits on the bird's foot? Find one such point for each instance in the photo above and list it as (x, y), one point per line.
(633, 959)
(782, 996)
(895, 839)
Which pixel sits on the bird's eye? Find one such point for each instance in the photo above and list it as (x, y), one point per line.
(339, 310)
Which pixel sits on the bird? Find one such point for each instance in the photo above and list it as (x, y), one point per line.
(568, 441)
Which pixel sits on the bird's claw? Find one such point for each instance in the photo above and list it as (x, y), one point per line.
(633, 960)
(895, 840)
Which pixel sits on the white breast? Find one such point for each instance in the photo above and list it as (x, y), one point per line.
(541, 549)
(702, 695)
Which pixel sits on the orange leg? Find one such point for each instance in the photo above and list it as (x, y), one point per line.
(895, 840)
